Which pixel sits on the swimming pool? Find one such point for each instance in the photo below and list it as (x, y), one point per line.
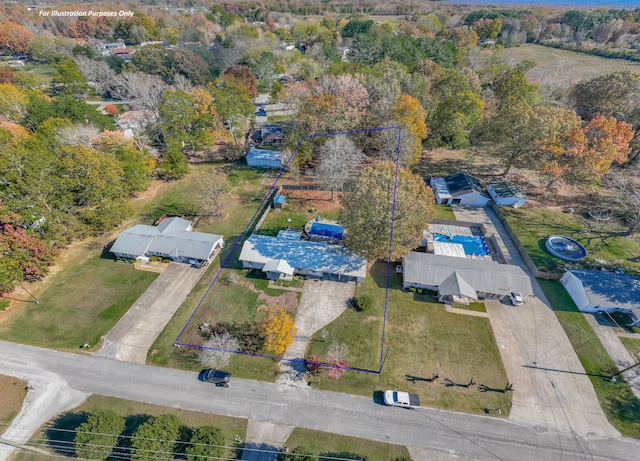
(475, 246)
(327, 230)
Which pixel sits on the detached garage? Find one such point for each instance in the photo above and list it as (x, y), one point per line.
(263, 158)
(459, 189)
(594, 291)
(507, 194)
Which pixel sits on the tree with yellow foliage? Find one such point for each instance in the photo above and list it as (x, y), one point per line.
(278, 330)
(412, 117)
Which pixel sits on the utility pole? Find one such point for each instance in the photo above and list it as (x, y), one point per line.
(612, 378)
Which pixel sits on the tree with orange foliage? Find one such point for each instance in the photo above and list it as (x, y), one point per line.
(7, 75)
(244, 75)
(111, 109)
(14, 37)
(585, 155)
(412, 117)
(278, 330)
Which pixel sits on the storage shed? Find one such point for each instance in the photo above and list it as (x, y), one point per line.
(263, 158)
(507, 194)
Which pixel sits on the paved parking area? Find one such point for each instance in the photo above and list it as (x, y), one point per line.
(136, 331)
(551, 388)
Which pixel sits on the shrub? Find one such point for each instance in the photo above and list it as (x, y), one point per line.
(363, 303)
(111, 109)
(412, 289)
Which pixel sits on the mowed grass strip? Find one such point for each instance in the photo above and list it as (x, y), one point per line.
(80, 304)
(12, 394)
(603, 241)
(341, 446)
(421, 339)
(62, 428)
(633, 346)
(617, 400)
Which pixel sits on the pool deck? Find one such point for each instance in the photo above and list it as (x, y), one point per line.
(455, 230)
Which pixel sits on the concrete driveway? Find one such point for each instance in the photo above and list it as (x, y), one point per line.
(136, 331)
(551, 388)
(322, 302)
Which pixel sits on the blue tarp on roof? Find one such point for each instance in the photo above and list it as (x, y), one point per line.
(264, 158)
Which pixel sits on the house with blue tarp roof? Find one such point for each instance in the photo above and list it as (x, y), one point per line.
(263, 158)
(282, 257)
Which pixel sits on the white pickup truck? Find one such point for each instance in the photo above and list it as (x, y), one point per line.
(401, 399)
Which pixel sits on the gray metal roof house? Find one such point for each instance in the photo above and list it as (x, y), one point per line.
(264, 158)
(594, 291)
(173, 238)
(459, 189)
(487, 278)
(507, 194)
(281, 257)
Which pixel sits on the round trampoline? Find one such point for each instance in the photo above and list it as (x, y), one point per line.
(565, 248)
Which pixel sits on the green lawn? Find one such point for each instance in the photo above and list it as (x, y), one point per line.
(296, 213)
(633, 346)
(607, 243)
(61, 428)
(341, 446)
(443, 212)
(617, 400)
(421, 339)
(80, 304)
(11, 398)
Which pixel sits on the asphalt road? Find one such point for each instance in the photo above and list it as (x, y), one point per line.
(460, 434)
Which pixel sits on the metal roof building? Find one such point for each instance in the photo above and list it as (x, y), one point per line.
(507, 194)
(488, 278)
(459, 189)
(173, 238)
(597, 290)
(264, 158)
(281, 257)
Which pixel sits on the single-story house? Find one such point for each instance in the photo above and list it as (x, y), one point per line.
(594, 291)
(507, 194)
(283, 256)
(268, 134)
(115, 46)
(453, 277)
(459, 189)
(264, 158)
(172, 238)
(135, 119)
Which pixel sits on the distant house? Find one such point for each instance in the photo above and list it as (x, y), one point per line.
(16, 63)
(507, 194)
(173, 238)
(114, 46)
(124, 53)
(594, 291)
(264, 158)
(285, 255)
(135, 119)
(455, 278)
(459, 189)
(268, 135)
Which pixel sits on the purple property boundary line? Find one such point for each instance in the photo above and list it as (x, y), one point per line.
(244, 232)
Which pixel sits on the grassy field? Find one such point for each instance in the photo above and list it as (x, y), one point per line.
(11, 396)
(421, 339)
(136, 413)
(607, 243)
(331, 445)
(633, 346)
(616, 399)
(561, 67)
(80, 304)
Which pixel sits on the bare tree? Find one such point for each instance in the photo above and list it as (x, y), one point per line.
(144, 90)
(216, 350)
(387, 141)
(180, 82)
(339, 159)
(211, 195)
(98, 73)
(79, 135)
(626, 198)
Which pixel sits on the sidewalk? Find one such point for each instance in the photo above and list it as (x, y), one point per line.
(556, 393)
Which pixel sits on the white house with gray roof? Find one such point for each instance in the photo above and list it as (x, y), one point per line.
(507, 194)
(455, 277)
(594, 291)
(459, 189)
(173, 238)
(285, 255)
